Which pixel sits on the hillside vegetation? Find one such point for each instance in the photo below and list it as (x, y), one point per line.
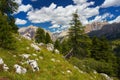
(39, 58)
(52, 66)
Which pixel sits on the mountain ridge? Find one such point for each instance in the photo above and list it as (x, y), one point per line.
(110, 31)
(88, 28)
(94, 29)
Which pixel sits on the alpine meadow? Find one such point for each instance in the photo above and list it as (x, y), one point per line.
(59, 40)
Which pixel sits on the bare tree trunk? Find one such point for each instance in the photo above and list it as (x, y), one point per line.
(67, 56)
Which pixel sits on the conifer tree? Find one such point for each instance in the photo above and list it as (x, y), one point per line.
(48, 38)
(8, 6)
(102, 50)
(57, 45)
(65, 47)
(6, 38)
(11, 21)
(40, 35)
(79, 40)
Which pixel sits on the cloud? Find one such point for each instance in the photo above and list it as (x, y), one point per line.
(117, 20)
(79, 1)
(61, 16)
(42, 15)
(24, 8)
(20, 21)
(89, 12)
(19, 2)
(54, 26)
(109, 3)
(101, 18)
(57, 31)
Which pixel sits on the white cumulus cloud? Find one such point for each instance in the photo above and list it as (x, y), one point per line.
(20, 21)
(24, 8)
(55, 26)
(100, 18)
(79, 1)
(60, 16)
(117, 20)
(19, 2)
(42, 15)
(109, 3)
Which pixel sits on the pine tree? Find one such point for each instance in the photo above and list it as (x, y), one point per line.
(65, 47)
(48, 38)
(57, 45)
(6, 38)
(102, 50)
(8, 6)
(78, 39)
(40, 35)
(11, 21)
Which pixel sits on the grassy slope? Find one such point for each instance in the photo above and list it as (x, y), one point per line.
(49, 70)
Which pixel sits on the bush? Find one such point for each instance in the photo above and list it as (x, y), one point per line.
(90, 64)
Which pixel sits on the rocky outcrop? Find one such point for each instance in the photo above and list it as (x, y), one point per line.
(110, 31)
(94, 26)
(28, 32)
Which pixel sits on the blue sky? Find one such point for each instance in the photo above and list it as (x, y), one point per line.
(55, 15)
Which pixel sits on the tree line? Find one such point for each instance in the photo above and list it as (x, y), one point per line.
(42, 36)
(7, 23)
(96, 51)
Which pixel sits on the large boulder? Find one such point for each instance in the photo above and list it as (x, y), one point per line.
(35, 47)
(57, 51)
(20, 69)
(1, 61)
(106, 76)
(33, 64)
(50, 47)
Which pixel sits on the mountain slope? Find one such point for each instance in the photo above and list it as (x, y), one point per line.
(88, 28)
(110, 31)
(94, 26)
(52, 66)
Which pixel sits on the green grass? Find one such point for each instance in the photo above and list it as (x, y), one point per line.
(49, 70)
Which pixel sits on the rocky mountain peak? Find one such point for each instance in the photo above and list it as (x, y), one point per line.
(94, 26)
(88, 28)
(110, 31)
(30, 31)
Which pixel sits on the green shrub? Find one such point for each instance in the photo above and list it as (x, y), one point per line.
(90, 64)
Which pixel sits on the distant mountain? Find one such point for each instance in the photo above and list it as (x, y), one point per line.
(88, 28)
(61, 36)
(94, 26)
(110, 31)
(30, 31)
